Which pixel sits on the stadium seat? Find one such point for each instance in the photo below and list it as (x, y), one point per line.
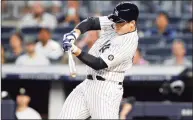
(163, 52)
(57, 37)
(63, 30)
(187, 39)
(153, 59)
(153, 40)
(189, 58)
(30, 30)
(7, 29)
(189, 52)
(5, 39)
(174, 20)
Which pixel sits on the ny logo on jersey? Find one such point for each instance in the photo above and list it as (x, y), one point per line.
(105, 46)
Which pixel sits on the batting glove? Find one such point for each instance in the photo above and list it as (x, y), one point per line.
(69, 46)
(70, 36)
(66, 45)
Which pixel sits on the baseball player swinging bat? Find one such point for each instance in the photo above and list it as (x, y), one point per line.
(100, 94)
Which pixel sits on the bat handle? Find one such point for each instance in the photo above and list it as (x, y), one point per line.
(71, 64)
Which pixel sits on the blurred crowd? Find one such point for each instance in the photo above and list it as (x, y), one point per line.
(20, 108)
(43, 47)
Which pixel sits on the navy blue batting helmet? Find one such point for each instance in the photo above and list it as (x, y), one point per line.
(124, 12)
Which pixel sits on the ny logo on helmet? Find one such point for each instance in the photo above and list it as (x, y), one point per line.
(116, 12)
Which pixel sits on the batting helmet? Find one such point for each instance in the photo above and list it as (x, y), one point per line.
(124, 12)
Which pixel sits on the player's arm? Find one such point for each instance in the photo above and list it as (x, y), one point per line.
(94, 62)
(91, 23)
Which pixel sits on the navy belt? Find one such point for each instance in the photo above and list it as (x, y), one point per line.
(100, 78)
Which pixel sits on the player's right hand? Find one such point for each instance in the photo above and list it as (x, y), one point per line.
(66, 45)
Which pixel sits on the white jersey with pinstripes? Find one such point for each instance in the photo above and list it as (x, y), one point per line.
(101, 99)
(116, 50)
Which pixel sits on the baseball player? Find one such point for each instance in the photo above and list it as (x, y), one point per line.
(100, 94)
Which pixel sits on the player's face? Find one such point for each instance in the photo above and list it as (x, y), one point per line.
(125, 27)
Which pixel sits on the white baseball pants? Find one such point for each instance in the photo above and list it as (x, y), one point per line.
(98, 99)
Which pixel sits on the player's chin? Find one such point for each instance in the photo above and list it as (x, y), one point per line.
(118, 31)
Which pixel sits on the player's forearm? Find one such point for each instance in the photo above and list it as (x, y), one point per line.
(91, 23)
(90, 60)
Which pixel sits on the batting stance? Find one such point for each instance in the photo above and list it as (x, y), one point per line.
(100, 94)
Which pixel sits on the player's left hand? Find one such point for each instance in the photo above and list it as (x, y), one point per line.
(69, 46)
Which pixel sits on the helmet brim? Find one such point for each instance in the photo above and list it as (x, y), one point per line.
(115, 18)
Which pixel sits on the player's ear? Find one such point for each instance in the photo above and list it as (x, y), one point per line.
(133, 23)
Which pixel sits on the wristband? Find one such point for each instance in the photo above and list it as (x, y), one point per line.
(74, 48)
(75, 34)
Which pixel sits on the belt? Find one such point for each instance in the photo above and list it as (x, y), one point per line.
(100, 79)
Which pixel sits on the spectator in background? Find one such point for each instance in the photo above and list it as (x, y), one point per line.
(31, 57)
(138, 58)
(23, 110)
(3, 6)
(188, 29)
(48, 47)
(16, 43)
(53, 7)
(190, 25)
(127, 107)
(179, 51)
(72, 16)
(162, 27)
(8, 106)
(56, 7)
(38, 17)
(2, 55)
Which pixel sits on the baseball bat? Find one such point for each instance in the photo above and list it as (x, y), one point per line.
(71, 64)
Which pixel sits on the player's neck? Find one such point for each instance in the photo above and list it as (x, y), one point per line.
(132, 29)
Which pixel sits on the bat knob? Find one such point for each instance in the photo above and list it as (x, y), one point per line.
(73, 75)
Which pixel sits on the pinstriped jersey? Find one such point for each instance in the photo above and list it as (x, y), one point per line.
(117, 51)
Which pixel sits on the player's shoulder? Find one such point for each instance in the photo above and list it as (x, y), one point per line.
(130, 35)
(104, 20)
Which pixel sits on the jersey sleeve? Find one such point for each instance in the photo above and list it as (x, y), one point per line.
(105, 23)
(119, 52)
